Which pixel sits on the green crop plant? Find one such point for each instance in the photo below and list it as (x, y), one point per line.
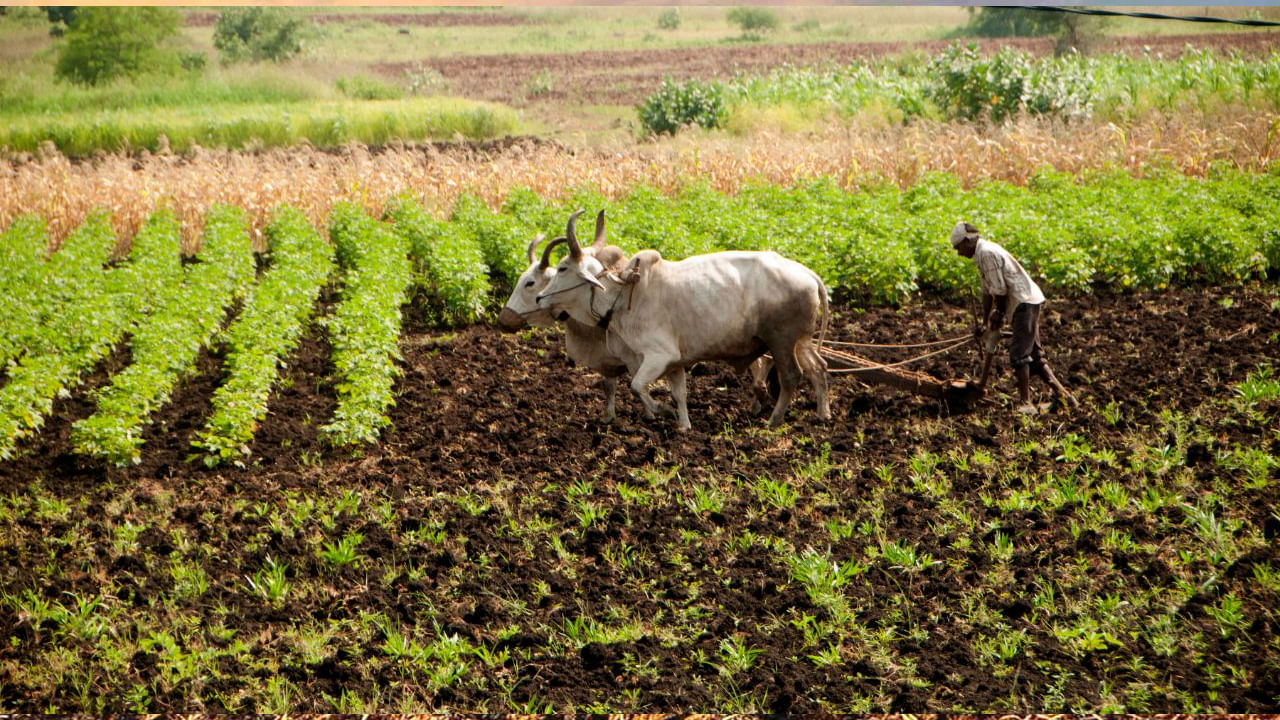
(735, 657)
(902, 556)
(777, 494)
(706, 499)
(364, 328)
(166, 343)
(71, 343)
(450, 262)
(503, 240)
(270, 582)
(344, 552)
(823, 578)
(589, 513)
(23, 266)
(268, 328)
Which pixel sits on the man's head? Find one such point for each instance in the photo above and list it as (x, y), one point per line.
(964, 238)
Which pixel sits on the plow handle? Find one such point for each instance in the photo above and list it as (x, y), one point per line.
(986, 371)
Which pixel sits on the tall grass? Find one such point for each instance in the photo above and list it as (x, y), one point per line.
(34, 91)
(325, 124)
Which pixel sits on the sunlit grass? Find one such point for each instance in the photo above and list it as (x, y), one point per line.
(323, 124)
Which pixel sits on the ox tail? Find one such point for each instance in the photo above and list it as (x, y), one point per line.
(826, 310)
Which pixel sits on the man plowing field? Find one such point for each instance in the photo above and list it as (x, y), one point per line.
(1005, 283)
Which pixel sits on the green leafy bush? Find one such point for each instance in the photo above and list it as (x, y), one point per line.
(109, 42)
(676, 105)
(998, 22)
(257, 33)
(22, 285)
(104, 299)
(501, 238)
(669, 19)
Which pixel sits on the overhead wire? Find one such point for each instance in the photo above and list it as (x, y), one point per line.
(1152, 16)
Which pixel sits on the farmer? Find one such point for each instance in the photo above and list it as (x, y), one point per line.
(1006, 284)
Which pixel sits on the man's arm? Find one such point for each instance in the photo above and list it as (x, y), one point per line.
(994, 307)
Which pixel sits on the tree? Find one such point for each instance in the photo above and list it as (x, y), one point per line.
(257, 33)
(104, 43)
(60, 18)
(1074, 32)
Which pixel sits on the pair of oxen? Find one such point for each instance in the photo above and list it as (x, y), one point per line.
(655, 318)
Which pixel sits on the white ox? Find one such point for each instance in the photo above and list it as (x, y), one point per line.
(661, 317)
(584, 343)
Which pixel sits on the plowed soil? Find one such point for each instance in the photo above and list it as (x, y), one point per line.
(479, 408)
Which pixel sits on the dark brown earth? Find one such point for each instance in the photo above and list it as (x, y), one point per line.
(627, 77)
(479, 406)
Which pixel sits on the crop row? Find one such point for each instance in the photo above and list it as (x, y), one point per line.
(451, 266)
(167, 342)
(364, 328)
(266, 332)
(22, 248)
(881, 244)
(84, 312)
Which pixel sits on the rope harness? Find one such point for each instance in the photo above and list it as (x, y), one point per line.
(951, 344)
(602, 321)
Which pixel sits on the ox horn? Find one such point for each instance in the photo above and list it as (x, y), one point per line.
(599, 241)
(575, 250)
(546, 252)
(533, 247)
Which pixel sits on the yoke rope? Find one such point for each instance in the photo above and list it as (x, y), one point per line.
(838, 343)
(908, 361)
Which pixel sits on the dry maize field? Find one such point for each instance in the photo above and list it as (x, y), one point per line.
(64, 191)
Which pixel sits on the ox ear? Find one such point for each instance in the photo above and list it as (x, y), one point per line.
(589, 278)
(546, 252)
(533, 248)
(575, 250)
(599, 241)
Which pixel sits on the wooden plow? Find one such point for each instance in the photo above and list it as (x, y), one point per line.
(959, 394)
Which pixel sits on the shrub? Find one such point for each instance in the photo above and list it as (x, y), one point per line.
(166, 343)
(669, 19)
(109, 42)
(753, 19)
(678, 104)
(257, 33)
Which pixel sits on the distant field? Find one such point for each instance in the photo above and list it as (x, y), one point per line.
(574, 73)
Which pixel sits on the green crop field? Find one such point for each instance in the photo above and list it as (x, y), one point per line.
(263, 448)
